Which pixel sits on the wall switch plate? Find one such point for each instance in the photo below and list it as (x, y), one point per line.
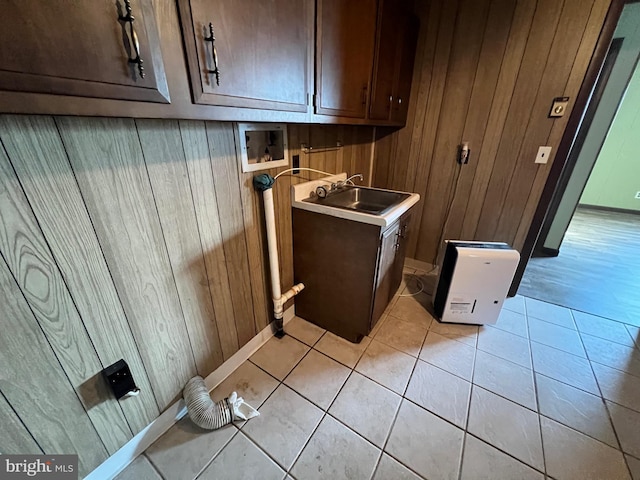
(638, 195)
(543, 154)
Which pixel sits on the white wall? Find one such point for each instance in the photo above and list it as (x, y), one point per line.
(615, 178)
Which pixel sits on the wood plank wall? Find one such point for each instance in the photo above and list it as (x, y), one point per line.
(134, 239)
(486, 72)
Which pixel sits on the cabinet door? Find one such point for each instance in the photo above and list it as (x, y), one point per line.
(386, 62)
(405, 55)
(385, 276)
(261, 50)
(402, 236)
(344, 56)
(80, 48)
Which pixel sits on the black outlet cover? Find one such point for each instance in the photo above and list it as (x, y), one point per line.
(119, 378)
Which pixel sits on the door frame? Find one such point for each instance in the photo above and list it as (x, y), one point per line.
(574, 154)
(562, 155)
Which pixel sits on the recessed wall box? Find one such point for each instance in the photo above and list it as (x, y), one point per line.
(559, 107)
(262, 146)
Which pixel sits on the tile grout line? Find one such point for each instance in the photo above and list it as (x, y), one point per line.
(606, 407)
(218, 453)
(325, 412)
(402, 396)
(614, 368)
(246, 435)
(384, 452)
(280, 383)
(591, 437)
(313, 402)
(616, 344)
(601, 396)
(315, 429)
(623, 325)
(506, 331)
(600, 316)
(578, 310)
(466, 424)
(154, 468)
(395, 416)
(239, 428)
(534, 373)
(416, 359)
(586, 359)
(535, 390)
(510, 455)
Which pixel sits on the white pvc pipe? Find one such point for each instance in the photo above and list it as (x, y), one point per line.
(272, 243)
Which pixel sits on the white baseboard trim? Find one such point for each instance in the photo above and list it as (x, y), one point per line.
(117, 462)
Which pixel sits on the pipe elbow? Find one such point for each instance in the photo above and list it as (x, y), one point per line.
(292, 292)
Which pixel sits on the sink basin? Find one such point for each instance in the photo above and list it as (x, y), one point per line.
(374, 206)
(361, 199)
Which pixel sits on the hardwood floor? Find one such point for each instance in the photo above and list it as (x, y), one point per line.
(597, 269)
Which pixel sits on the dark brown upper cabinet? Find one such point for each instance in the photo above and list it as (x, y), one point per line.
(397, 35)
(81, 48)
(345, 40)
(404, 74)
(250, 60)
(249, 53)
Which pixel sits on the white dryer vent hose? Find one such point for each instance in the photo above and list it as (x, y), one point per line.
(211, 415)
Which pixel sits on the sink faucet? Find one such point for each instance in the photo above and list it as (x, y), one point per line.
(357, 175)
(348, 181)
(322, 191)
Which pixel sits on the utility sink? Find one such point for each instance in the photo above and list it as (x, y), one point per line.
(375, 206)
(361, 199)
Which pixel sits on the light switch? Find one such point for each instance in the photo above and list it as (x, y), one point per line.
(543, 154)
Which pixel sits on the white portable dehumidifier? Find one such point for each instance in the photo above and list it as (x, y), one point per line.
(473, 281)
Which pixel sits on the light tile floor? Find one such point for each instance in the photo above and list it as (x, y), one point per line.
(547, 392)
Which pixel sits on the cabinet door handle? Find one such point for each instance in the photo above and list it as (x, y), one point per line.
(214, 53)
(129, 19)
(364, 95)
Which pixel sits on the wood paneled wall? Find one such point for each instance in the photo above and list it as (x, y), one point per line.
(134, 239)
(486, 72)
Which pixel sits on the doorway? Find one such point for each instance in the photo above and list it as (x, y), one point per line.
(586, 255)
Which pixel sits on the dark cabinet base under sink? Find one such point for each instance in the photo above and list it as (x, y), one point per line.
(351, 270)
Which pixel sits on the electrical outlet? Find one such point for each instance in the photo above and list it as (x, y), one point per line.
(638, 195)
(543, 154)
(296, 164)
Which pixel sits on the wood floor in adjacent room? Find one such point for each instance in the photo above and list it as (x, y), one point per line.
(598, 269)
